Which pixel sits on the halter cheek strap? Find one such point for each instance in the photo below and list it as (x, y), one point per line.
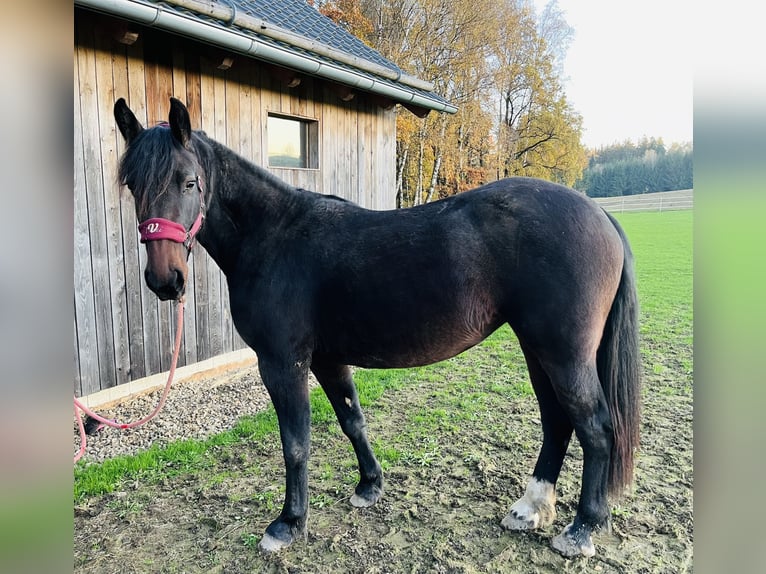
(160, 228)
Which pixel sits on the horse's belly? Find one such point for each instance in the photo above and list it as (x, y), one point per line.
(378, 326)
(395, 348)
(404, 359)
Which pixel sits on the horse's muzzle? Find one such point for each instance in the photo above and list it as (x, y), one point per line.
(166, 269)
(172, 287)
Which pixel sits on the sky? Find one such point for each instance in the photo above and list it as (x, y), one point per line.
(629, 70)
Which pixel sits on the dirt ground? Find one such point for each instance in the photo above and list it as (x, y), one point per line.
(446, 492)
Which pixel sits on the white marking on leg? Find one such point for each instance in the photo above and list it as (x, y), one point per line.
(348, 402)
(536, 509)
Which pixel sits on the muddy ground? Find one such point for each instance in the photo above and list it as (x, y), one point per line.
(457, 444)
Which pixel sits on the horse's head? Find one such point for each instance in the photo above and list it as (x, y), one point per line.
(163, 172)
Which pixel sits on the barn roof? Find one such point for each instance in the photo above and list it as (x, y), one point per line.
(288, 33)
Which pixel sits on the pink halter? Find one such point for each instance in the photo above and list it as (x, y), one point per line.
(161, 228)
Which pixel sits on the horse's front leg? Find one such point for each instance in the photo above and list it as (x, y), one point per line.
(287, 385)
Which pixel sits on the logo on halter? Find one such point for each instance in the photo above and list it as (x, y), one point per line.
(153, 228)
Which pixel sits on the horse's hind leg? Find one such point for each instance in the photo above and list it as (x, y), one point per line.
(580, 394)
(339, 387)
(537, 508)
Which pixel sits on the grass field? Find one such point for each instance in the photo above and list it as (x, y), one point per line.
(662, 245)
(455, 459)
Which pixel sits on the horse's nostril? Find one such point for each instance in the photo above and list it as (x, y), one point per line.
(149, 278)
(179, 281)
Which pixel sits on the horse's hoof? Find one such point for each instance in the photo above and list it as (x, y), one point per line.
(536, 509)
(269, 544)
(367, 497)
(571, 545)
(360, 502)
(280, 534)
(520, 521)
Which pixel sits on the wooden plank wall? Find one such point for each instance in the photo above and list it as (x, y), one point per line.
(122, 331)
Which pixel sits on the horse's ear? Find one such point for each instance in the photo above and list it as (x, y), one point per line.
(180, 124)
(129, 126)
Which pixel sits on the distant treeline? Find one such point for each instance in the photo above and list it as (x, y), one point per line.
(645, 167)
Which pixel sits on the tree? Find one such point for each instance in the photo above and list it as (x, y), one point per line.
(500, 64)
(538, 131)
(645, 167)
(443, 42)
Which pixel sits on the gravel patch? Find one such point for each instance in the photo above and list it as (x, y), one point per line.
(196, 407)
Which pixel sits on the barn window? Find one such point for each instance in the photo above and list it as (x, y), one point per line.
(293, 142)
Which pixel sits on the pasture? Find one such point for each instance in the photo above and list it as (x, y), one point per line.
(456, 441)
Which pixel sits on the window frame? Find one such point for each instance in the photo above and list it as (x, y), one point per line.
(310, 127)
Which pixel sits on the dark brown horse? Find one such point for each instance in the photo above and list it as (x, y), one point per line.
(318, 283)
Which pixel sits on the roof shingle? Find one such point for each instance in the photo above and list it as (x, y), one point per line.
(300, 18)
(289, 33)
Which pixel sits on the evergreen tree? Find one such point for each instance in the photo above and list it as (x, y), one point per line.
(645, 167)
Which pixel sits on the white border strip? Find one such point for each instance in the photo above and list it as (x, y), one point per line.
(114, 394)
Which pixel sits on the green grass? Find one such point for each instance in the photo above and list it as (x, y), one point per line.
(663, 249)
(449, 393)
(176, 458)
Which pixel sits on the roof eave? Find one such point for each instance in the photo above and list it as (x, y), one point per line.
(156, 16)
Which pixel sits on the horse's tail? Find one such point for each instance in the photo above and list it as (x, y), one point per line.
(619, 369)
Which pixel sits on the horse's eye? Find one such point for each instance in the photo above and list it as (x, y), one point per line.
(190, 185)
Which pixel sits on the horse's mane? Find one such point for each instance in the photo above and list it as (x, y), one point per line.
(151, 159)
(148, 164)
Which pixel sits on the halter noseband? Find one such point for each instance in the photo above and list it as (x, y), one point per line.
(160, 228)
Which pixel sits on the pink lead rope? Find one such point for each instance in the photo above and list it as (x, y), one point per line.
(153, 229)
(78, 406)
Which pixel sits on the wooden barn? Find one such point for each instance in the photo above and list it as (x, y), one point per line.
(272, 79)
